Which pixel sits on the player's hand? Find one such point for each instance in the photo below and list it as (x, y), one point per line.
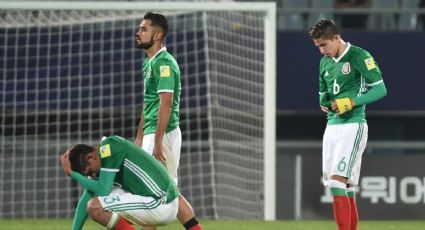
(159, 155)
(66, 163)
(342, 105)
(324, 109)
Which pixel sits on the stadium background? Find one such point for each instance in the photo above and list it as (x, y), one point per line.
(396, 140)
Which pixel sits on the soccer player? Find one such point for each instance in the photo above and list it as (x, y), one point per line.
(349, 79)
(158, 132)
(146, 195)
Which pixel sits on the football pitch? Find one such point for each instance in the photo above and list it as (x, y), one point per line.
(223, 225)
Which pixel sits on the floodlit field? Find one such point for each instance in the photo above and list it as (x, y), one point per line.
(224, 225)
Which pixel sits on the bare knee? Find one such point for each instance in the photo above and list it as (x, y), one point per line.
(94, 208)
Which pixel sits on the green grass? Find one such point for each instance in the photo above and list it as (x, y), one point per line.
(223, 225)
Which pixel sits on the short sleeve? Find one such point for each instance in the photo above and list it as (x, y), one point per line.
(165, 73)
(368, 68)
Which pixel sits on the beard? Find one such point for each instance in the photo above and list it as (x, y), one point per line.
(145, 45)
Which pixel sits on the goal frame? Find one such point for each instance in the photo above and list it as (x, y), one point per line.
(269, 8)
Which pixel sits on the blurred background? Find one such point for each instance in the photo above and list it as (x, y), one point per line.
(393, 179)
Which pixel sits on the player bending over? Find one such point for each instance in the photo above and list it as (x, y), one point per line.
(123, 185)
(349, 79)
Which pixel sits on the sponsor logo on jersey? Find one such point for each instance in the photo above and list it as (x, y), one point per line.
(370, 63)
(105, 151)
(164, 71)
(346, 68)
(326, 73)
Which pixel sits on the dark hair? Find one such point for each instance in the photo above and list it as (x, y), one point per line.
(158, 20)
(77, 157)
(324, 29)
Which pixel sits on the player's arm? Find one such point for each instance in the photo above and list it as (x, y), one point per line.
(80, 215)
(165, 103)
(139, 136)
(369, 69)
(374, 93)
(325, 102)
(100, 187)
(166, 77)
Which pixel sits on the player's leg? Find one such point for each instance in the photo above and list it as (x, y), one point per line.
(111, 220)
(341, 202)
(172, 142)
(148, 142)
(141, 210)
(186, 216)
(354, 179)
(347, 155)
(336, 183)
(172, 147)
(354, 212)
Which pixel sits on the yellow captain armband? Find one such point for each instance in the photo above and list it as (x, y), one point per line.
(344, 105)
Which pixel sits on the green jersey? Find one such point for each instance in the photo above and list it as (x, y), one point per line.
(348, 76)
(161, 74)
(136, 171)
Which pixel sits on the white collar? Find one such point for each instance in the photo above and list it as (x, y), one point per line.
(159, 51)
(342, 55)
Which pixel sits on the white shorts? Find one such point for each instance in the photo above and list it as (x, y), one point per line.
(343, 147)
(172, 142)
(140, 210)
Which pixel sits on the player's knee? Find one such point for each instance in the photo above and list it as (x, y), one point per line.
(94, 207)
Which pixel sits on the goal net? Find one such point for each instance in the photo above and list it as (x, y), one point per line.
(71, 74)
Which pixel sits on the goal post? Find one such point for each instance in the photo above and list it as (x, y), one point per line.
(71, 74)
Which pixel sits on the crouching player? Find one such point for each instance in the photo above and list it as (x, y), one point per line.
(129, 186)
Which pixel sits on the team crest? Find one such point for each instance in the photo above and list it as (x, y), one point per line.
(346, 68)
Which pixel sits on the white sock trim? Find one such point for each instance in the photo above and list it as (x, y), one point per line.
(112, 221)
(337, 184)
(351, 189)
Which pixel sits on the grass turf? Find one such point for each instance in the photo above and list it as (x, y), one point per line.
(59, 224)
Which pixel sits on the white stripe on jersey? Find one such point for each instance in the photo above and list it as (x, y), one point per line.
(165, 91)
(362, 88)
(375, 83)
(134, 206)
(109, 170)
(144, 177)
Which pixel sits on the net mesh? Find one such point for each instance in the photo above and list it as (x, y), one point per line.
(74, 76)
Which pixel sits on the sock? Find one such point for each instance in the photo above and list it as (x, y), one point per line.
(122, 224)
(354, 212)
(113, 221)
(341, 205)
(192, 224)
